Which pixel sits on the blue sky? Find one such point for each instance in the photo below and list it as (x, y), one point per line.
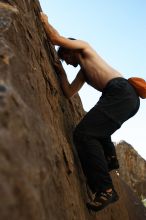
(117, 31)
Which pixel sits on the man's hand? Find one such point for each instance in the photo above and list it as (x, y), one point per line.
(51, 32)
(43, 17)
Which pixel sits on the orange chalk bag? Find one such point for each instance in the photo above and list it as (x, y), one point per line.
(140, 86)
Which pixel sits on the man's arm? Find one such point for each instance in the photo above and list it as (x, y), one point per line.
(69, 89)
(59, 40)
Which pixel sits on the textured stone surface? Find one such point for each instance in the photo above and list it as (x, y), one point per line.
(40, 174)
(132, 168)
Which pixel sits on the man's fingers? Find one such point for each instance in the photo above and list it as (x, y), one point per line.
(43, 17)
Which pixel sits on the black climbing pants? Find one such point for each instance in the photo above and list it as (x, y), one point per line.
(92, 136)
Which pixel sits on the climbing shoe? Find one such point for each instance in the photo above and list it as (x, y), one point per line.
(102, 200)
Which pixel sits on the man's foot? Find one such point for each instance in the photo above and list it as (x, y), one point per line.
(113, 163)
(102, 200)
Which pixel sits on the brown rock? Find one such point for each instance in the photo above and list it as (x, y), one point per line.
(132, 168)
(40, 174)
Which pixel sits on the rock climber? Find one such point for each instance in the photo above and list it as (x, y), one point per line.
(92, 136)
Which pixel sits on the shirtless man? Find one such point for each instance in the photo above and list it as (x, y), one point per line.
(92, 136)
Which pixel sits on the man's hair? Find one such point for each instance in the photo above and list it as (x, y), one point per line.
(62, 50)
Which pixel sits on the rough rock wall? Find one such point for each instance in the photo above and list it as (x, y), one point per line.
(40, 174)
(132, 168)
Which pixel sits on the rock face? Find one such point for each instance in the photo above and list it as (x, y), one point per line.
(40, 174)
(132, 168)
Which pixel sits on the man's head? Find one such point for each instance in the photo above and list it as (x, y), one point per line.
(68, 55)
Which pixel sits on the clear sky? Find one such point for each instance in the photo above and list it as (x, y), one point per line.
(116, 29)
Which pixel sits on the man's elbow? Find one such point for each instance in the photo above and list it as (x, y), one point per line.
(69, 95)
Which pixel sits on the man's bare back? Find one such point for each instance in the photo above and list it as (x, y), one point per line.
(98, 72)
